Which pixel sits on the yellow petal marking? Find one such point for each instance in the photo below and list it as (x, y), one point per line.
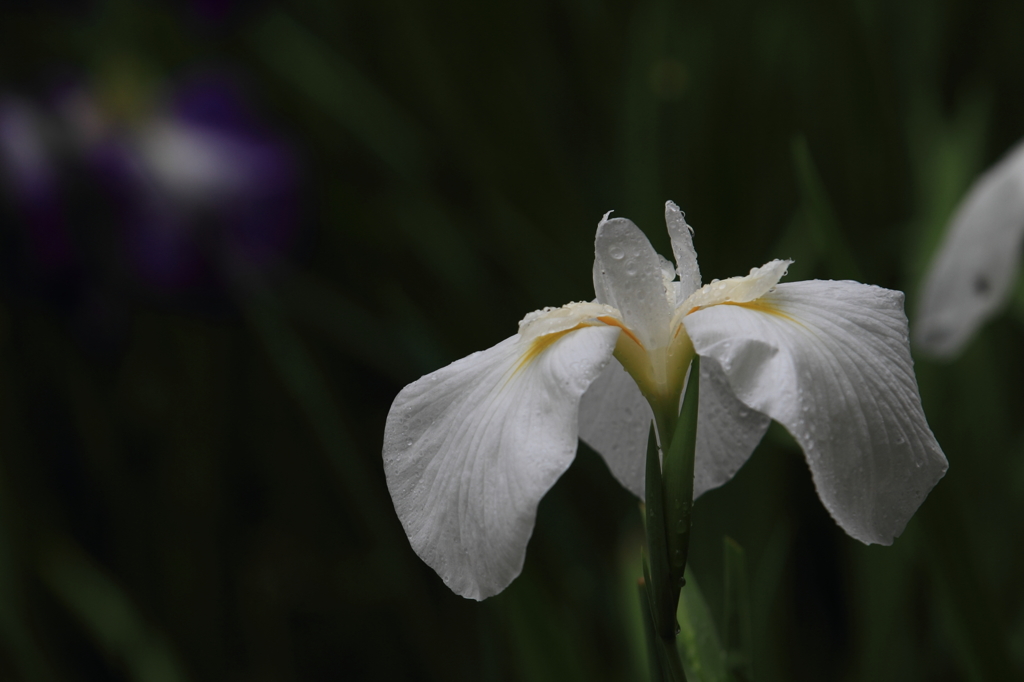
(612, 322)
(541, 344)
(759, 305)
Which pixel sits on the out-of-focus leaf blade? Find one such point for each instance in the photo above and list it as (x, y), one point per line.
(702, 654)
(108, 614)
(822, 224)
(737, 632)
(334, 84)
(300, 375)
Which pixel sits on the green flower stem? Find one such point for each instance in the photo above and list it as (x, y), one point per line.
(669, 501)
(677, 477)
(659, 578)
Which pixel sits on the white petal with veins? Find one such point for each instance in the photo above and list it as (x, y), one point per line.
(470, 449)
(830, 362)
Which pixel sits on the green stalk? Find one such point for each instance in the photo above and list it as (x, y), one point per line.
(659, 581)
(678, 479)
(669, 502)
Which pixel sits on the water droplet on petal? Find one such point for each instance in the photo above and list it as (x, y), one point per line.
(616, 252)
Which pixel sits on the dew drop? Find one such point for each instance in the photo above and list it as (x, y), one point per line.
(616, 252)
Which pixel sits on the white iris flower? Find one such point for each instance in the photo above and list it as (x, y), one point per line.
(972, 274)
(470, 449)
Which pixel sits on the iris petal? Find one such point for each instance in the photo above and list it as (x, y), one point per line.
(727, 430)
(628, 277)
(976, 265)
(615, 420)
(737, 289)
(831, 363)
(682, 248)
(470, 449)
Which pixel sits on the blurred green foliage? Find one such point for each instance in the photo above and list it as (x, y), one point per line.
(201, 497)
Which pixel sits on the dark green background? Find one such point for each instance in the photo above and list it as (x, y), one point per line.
(203, 497)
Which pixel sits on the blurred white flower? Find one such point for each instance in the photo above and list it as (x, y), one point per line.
(972, 274)
(470, 449)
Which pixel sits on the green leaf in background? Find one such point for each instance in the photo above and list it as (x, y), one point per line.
(946, 156)
(703, 657)
(323, 75)
(544, 643)
(819, 228)
(108, 614)
(306, 383)
(15, 634)
(737, 634)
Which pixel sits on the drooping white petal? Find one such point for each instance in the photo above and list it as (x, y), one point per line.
(682, 247)
(615, 420)
(830, 361)
(727, 430)
(470, 450)
(627, 276)
(975, 267)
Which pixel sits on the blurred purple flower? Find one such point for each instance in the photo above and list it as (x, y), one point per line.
(203, 191)
(214, 11)
(30, 178)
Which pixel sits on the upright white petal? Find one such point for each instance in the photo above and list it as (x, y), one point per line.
(830, 361)
(682, 247)
(977, 262)
(627, 276)
(470, 450)
(615, 420)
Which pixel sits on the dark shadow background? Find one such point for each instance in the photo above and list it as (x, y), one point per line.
(190, 435)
